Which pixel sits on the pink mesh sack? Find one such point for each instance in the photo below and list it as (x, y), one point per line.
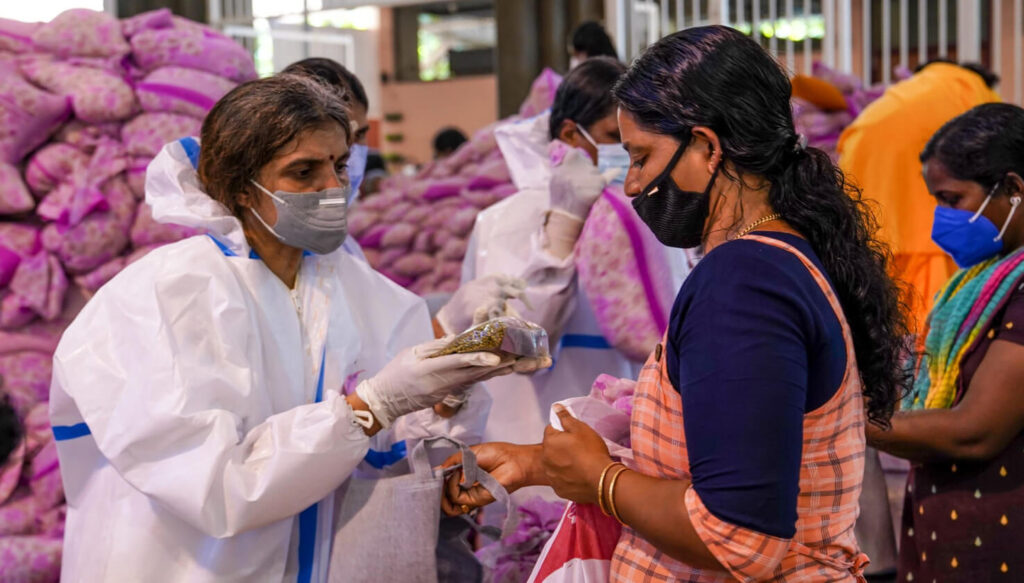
(97, 95)
(28, 116)
(204, 50)
(16, 36)
(146, 134)
(542, 93)
(86, 136)
(51, 165)
(82, 33)
(99, 237)
(135, 176)
(180, 90)
(79, 193)
(20, 238)
(37, 290)
(152, 20)
(14, 195)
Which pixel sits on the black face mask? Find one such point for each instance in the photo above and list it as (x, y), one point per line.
(675, 216)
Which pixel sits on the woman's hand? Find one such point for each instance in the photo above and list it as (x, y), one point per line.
(514, 466)
(573, 459)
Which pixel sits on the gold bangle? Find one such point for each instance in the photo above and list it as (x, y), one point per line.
(600, 487)
(611, 495)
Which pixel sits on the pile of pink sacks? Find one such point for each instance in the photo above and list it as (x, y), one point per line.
(822, 128)
(416, 230)
(86, 101)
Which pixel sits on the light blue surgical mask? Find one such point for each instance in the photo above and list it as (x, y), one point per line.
(970, 238)
(356, 168)
(612, 159)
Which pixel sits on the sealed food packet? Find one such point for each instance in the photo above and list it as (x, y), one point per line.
(506, 335)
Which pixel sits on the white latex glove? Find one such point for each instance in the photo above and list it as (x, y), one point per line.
(479, 300)
(413, 381)
(576, 184)
(522, 365)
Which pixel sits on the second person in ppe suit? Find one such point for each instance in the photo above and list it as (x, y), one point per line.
(531, 235)
(197, 399)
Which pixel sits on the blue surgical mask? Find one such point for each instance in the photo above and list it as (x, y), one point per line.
(612, 159)
(356, 168)
(970, 238)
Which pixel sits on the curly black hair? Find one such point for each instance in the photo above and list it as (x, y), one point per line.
(983, 145)
(716, 77)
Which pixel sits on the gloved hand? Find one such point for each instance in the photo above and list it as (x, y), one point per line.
(413, 381)
(575, 184)
(479, 300)
(522, 365)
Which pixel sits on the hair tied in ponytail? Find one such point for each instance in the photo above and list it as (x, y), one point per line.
(799, 143)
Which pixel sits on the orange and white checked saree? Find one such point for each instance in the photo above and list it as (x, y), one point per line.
(824, 547)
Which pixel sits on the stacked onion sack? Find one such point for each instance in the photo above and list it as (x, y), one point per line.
(416, 230)
(826, 102)
(86, 101)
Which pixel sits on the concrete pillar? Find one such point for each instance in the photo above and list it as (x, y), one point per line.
(554, 31)
(191, 9)
(583, 10)
(518, 51)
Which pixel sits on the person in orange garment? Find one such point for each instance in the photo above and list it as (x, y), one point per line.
(880, 150)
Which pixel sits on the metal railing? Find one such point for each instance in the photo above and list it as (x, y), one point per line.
(293, 42)
(868, 38)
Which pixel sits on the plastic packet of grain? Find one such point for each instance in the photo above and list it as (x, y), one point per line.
(503, 336)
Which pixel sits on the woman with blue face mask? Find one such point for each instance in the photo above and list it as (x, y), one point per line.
(962, 424)
(211, 399)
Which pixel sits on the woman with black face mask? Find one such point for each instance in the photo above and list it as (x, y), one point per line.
(747, 429)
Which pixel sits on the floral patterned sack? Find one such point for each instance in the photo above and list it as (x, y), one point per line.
(146, 134)
(97, 95)
(28, 115)
(625, 273)
(14, 196)
(81, 33)
(204, 50)
(180, 90)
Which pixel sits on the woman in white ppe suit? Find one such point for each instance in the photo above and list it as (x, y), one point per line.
(196, 399)
(531, 235)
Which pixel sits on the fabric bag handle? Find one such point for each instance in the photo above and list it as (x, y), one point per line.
(420, 463)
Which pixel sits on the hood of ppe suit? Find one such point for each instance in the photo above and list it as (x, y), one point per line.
(174, 193)
(524, 145)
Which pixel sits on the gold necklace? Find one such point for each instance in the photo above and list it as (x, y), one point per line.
(758, 223)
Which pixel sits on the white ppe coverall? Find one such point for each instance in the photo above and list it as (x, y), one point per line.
(197, 403)
(507, 238)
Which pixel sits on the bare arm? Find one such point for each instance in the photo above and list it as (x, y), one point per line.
(984, 423)
(571, 461)
(655, 508)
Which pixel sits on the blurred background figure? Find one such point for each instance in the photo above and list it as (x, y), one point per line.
(447, 141)
(590, 40)
(376, 171)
